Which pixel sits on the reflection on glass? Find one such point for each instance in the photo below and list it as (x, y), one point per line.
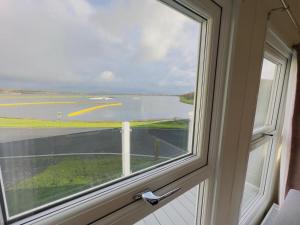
(180, 211)
(255, 172)
(264, 101)
(91, 91)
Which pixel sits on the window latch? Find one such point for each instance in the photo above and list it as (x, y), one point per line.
(149, 197)
(270, 134)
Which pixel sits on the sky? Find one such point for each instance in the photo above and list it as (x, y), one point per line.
(97, 46)
(268, 71)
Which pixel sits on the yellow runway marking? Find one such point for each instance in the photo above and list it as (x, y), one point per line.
(33, 103)
(83, 111)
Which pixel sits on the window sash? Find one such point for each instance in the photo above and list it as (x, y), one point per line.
(138, 210)
(268, 133)
(264, 177)
(277, 89)
(95, 205)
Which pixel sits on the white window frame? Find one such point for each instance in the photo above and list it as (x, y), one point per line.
(247, 39)
(184, 173)
(275, 52)
(277, 89)
(264, 176)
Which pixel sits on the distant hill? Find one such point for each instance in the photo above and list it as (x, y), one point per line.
(11, 91)
(8, 91)
(28, 92)
(187, 98)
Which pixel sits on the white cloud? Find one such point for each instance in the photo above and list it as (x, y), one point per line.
(184, 83)
(34, 40)
(168, 82)
(160, 27)
(161, 31)
(107, 76)
(65, 43)
(187, 72)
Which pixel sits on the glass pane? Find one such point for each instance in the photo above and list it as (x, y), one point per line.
(91, 91)
(264, 101)
(158, 143)
(181, 211)
(255, 172)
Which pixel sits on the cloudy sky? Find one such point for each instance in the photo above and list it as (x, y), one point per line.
(123, 46)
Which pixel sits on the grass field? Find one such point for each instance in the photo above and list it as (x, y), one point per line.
(36, 123)
(67, 176)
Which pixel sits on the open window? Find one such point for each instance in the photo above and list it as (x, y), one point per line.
(263, 145)
(269, 95)
(105, 100)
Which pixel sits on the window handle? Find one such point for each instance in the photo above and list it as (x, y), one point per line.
(271, 134)
(149, 197)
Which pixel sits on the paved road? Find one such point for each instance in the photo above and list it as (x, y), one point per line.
(19, 134)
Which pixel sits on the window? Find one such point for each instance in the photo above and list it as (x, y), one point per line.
(260, 160)
(256, 173)
(265, 100)
(100, 96)
(270, 89)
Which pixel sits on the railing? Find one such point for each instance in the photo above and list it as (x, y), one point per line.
(126, 140)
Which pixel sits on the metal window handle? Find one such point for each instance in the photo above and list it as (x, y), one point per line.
(270, 134)
(152, 199)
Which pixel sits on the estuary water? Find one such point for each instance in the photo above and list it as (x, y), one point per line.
(131, 107)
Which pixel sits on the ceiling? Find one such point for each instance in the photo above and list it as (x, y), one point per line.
(282, 24)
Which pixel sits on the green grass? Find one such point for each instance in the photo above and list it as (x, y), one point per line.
(187, 100)
(67, 176)
(36, 123)
(173, 124)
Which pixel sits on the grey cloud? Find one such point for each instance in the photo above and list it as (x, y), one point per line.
(69, 43)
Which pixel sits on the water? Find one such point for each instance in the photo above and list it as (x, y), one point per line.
(132, 108)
